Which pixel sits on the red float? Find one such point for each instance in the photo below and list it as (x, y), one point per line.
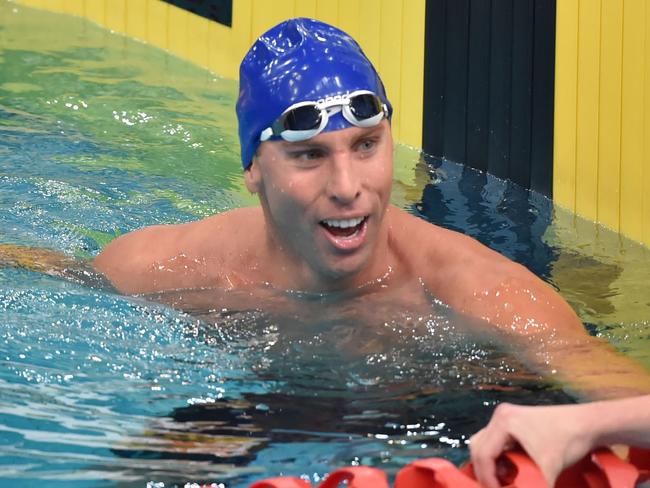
(600, 469)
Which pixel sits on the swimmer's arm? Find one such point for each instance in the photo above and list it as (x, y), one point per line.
(625, 421)
(160, 258)
(129, 261)
(588, 367)
(52, 263)
(127, 264)
(531, 318)
(538, 323)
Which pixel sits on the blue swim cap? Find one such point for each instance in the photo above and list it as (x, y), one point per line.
(298, 60)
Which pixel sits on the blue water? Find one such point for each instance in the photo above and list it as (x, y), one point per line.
(101, 135)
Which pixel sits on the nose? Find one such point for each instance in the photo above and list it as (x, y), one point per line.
(344, 183)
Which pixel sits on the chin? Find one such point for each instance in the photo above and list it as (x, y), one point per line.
(347, 268)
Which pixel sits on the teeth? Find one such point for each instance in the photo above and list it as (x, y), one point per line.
(343, 224)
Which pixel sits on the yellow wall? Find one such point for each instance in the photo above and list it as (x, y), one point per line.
(391, 32)
(602, 113)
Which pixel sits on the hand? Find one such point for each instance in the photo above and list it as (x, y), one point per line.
(552, 436)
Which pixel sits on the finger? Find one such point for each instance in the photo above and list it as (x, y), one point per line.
(485, 448)
(549, 470)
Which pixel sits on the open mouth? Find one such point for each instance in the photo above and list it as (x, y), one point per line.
(344, 227)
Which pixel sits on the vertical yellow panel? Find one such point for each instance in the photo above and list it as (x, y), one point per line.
(646, 138)
(327, 11)
(177, 20)
(197, 32)
(566, 80)
(220, 39)
(305, 8)
(261, 9)
(369, 30)
(623, 112)
(632, 124)
(350, 17)
(36, 3)
(609, 140)
(411, 95)
(136, 19)
(587, 109)
(242, 36)
(390, 56)
(157, 23)
(74, 7)
(96, 11)
(267, 14)
(54, 5)
(116, 15)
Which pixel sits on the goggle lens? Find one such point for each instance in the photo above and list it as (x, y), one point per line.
(365, 106)
(306, 117)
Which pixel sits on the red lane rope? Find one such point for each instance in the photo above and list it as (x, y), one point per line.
(600, 469)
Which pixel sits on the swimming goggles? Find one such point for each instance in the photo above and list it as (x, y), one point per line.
(304, 120)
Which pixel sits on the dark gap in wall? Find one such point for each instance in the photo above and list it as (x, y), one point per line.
(216, 10)
(489, 87)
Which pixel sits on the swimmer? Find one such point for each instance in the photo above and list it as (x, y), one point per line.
(557, 437)
(317, 149)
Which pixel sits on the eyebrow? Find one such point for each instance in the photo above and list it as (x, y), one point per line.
(302, 145)
(370, 131)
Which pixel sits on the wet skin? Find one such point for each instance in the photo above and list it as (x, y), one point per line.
(306, 186)
(325, 225)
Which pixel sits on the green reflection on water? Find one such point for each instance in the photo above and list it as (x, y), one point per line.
(177, 120)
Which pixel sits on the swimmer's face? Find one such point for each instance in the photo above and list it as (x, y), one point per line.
(324, 198)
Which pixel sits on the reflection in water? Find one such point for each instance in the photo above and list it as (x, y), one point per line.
(402, 385)
(505, 217)
(126, 389)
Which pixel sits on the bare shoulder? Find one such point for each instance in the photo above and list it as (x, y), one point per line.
(445, 252)
(478, 281)
(180, 255)
(220, 233)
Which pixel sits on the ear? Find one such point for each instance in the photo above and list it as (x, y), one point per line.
(253, 177)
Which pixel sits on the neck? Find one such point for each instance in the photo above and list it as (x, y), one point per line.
(308, 282)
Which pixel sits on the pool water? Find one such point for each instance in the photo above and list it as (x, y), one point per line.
(101, 135)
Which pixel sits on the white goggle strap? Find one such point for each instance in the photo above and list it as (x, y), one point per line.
(266, 134)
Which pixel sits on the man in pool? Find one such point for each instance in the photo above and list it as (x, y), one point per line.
(316, 147)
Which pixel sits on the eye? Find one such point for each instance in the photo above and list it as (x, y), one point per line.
(367, 145)
(307, 155)
(306, 158)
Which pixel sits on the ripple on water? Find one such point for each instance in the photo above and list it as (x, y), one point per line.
(123, 388)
